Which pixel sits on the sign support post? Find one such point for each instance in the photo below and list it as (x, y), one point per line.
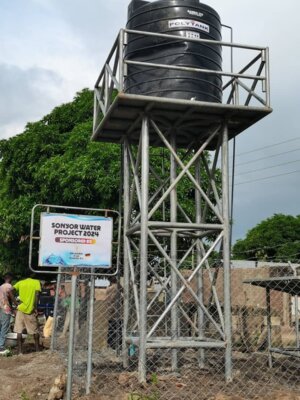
(71, 334)
(74, 244)
(53, 335)
(90, 336)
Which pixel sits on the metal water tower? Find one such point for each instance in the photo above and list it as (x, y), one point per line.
(166, 97)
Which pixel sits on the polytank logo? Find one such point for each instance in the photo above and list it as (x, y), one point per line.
(196, 13)
(188, 23)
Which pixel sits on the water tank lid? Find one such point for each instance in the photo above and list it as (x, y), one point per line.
(153, 4)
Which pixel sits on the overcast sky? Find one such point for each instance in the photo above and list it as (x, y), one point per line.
(49, 49)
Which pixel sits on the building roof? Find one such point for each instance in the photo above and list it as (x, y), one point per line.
(287, 284)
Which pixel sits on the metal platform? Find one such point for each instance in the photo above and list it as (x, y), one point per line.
(118, 115)
(192, 120)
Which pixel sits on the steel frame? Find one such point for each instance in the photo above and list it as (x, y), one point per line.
(153, 215)
(143, 226)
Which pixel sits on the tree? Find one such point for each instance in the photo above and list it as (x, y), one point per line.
(274, 239)
(54, 162)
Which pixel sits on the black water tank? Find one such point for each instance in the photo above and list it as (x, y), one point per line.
(185, 18)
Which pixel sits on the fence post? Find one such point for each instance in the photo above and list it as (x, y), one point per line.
(54, 330)
(71, 335)
(90, 336)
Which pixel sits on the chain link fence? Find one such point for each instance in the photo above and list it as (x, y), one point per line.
(265, 325)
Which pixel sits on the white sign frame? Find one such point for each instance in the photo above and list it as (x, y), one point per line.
(75, 234)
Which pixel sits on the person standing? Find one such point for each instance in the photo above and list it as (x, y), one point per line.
(6, 300)
(29, 290)
(66, 304)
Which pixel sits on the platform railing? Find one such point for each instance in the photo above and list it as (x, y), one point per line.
(240, 86)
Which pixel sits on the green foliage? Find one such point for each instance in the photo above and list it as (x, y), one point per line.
(138, 396)
(274, 239)
(154, 379)
(24, 396)
(67, 116)
(153, 395)
(53, 161)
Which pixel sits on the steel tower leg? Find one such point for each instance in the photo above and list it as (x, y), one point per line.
(200, 312)
(90, 337)
(174, 284)
(126, 196)
(144, 248)
(226, 255)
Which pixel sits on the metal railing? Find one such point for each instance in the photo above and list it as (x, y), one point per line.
(240, 87)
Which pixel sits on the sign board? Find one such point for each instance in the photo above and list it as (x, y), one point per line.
(75, 240)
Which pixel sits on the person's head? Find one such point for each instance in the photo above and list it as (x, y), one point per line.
(31, 274)
(8, 277)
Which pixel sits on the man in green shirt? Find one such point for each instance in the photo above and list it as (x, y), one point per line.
(26, 318)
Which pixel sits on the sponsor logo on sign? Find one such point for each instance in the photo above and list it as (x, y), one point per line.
(74, 240)
(188, 23)
(196, 13)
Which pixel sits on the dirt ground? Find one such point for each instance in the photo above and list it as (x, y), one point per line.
(271, 396)
(28, 376)
(220, 396)
(31, 376)
(253, 380)
(178, 389)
